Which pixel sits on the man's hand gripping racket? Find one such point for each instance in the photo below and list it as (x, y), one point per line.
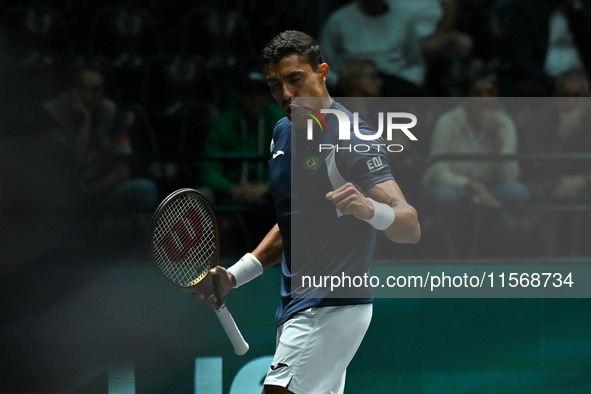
(184, 246)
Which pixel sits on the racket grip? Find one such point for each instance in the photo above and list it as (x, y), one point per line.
(234, 334)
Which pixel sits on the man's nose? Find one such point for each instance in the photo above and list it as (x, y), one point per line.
(288, 92)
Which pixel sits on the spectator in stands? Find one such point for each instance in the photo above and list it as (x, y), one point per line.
(246, 127)
(475, 127)
(562, 126)
(359, 78)
(96, 128)
(446, 41)
(466, 33)
(390, 37)
(547, 38)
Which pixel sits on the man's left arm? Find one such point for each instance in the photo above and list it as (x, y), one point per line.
(386, 209)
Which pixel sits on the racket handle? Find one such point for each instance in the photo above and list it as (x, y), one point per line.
(227, 321)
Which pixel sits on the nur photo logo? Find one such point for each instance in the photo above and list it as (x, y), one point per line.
(388, 124)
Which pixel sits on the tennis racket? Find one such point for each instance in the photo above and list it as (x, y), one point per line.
(183, 245)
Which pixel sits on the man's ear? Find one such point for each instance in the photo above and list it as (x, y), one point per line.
(323, 71)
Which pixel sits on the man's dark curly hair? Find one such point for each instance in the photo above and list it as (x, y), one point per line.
(292, 42)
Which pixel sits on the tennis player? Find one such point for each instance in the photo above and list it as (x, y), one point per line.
(318, 337)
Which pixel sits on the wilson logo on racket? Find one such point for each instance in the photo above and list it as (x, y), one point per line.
(173, 250)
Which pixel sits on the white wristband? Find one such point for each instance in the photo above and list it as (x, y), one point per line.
(246, 269)
(383, 215)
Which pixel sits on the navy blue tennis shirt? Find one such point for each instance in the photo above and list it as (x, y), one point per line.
(318, 241)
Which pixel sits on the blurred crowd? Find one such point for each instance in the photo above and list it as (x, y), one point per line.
(107, 106)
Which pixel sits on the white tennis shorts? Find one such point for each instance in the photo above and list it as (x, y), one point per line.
(315, 347)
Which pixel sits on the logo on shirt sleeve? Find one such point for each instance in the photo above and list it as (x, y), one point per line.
(375, 163)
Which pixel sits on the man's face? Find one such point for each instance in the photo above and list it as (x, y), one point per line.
(572, 87)
(569, 93)
(90, 85)
(487, 92)
(293, 77)
(483, 88)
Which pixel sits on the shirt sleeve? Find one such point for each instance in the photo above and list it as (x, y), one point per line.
(364, 163)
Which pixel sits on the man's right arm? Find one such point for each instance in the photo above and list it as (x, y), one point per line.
(266, 254)
(269, 251)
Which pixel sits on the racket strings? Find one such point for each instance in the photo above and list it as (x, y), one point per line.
(184, 240)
